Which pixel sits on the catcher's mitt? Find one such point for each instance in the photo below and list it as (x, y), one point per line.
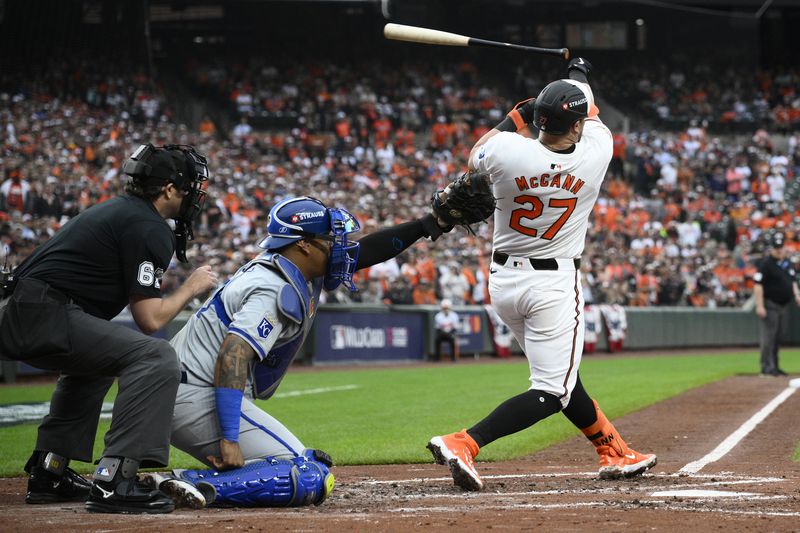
(468, 200)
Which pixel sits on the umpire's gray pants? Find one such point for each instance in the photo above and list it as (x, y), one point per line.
(90, 352)
(770, 329)
(196, 431)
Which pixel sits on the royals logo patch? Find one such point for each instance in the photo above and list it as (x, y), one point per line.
(264, 328)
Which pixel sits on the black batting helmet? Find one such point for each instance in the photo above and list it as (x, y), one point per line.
(559, 106)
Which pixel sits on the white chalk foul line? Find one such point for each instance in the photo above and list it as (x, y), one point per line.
(659, 504)
(320, 390)
(726, 478)
(728, 444)
(712, 494)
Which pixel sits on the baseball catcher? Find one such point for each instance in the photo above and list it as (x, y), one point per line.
(468, 200)
(240, 344)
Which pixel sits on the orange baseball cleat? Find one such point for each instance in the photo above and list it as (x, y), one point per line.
(631, 463)
(458, 451)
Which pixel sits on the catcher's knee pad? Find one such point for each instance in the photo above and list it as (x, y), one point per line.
(268, 483)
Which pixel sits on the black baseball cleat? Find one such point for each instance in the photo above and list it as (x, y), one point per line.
(128, 496)
(47, 487)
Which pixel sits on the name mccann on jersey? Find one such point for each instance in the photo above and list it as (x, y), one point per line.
(569, 183)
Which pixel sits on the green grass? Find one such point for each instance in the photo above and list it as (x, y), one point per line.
(391, 414)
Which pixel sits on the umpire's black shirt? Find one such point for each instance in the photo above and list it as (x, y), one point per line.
(106, 254)
(776, 277)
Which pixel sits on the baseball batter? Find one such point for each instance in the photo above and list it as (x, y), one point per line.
(240, 344)
(545, 189)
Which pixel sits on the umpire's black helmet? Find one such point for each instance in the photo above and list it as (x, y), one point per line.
(559, 106)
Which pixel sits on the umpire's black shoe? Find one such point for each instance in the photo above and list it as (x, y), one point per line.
(47, 487)
(127, 496)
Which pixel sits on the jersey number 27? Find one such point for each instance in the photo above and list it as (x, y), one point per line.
(535, 211)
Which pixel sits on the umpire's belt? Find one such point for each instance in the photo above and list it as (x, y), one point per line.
(538, 264)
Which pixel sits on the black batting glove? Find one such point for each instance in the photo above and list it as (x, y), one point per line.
(578, 69)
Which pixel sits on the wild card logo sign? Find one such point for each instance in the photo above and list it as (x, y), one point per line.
(369, 336)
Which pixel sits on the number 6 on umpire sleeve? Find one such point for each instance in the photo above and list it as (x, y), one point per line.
(146, 275)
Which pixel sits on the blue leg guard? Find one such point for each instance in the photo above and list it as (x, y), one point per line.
(268, 483)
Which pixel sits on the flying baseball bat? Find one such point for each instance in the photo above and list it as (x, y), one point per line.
(415, 34)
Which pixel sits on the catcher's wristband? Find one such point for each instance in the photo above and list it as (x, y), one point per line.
(229, 410)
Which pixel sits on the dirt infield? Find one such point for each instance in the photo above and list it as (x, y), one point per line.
(754, 486)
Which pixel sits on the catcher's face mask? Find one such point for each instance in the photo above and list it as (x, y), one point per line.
(344, 253)
(187, 169)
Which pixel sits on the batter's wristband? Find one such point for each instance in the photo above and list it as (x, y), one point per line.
(517, 118)
(229, 410)
(507, 124)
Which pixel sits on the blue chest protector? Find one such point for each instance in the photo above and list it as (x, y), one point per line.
(296, 304)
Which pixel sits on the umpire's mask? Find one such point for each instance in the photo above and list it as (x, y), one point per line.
(151, 166)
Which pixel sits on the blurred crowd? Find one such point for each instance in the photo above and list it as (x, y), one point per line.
(329, 97)
(700, 92)
(679, 221)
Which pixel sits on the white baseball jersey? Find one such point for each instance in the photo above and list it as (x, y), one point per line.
(544, 198)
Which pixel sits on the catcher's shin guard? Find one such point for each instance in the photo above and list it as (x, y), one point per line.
(617, 459)
(268, 483)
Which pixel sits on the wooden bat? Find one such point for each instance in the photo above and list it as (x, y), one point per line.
(415, 34)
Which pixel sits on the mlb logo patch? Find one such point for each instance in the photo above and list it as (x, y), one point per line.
(264, 328)
(102, 471)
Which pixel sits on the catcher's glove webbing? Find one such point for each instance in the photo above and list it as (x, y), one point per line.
(468, 200)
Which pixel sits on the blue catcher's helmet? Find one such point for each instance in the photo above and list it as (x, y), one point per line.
(304, 217)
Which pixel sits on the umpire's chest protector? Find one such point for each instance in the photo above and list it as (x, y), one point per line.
(297, 304)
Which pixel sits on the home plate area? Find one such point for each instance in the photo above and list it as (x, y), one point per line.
(725, 493)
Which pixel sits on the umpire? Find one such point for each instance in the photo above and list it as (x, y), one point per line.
(776, 283)
(55, 315)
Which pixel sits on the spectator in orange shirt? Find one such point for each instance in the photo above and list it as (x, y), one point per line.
(424, 294)
(383, 129)
(616, 167)
(207, 127)
(440, 133)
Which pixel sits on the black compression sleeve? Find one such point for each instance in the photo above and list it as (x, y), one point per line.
(580, 410)
(386, 243)
(513, 415)
(507, 124)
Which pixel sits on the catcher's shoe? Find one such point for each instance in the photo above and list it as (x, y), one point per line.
(616, 465)
(47, 487)
(183, 493)
(458, 451)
